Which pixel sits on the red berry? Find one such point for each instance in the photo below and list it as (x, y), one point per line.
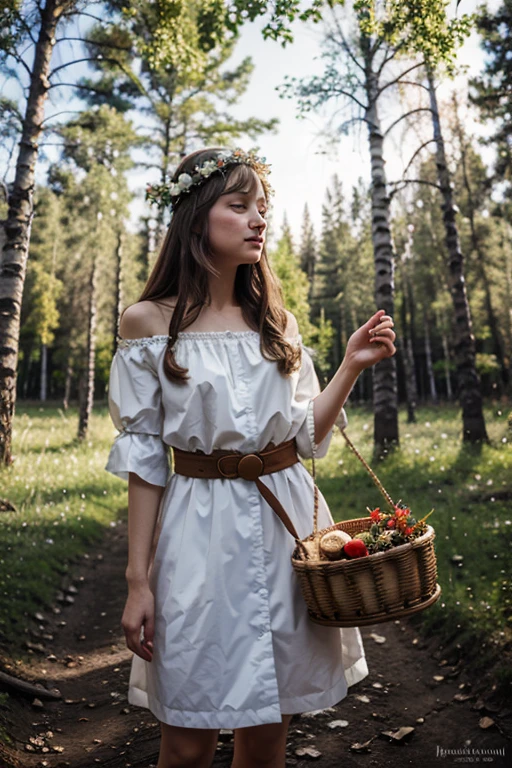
(355, 548)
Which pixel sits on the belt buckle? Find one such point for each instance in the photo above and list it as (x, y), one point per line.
(230, 475)
(249, 467)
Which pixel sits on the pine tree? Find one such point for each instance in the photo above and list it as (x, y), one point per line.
(307, 250)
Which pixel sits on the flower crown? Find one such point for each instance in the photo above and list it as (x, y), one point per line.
(169, 194)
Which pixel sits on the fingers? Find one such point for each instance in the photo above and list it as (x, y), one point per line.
(138, 646)
(384, 332)
(385, 321)
(149, 632)
(386, 342)
(376, 317)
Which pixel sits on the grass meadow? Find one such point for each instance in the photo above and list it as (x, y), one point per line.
(65, 501)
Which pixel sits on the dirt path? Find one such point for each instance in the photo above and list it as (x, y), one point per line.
(94, 725)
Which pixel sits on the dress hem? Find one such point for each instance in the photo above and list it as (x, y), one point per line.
(250, 717)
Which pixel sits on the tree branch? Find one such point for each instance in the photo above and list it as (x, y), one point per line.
(412, 82)
(341, 92)
(425, 144)
(404, 182)
(21, 61)
(99, 43)
(344, 43)
(79, 86)
(398, 79)
(27, 29)
(387, 59)
(76, 12)
(64, 112)
(402, 117)
(79, 61)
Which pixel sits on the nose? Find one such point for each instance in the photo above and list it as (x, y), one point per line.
(258, 222)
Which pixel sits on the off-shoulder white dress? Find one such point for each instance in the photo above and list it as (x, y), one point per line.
(233, 643)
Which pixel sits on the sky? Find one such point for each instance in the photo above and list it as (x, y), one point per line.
(301, 170)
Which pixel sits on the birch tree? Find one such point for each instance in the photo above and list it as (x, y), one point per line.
(31, 30)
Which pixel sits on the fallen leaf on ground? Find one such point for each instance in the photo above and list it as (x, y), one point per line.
(485, 722)
(378, 638)
(338, 724)
(316, 712)
(361, 747)
(308, 752)
(399, 736)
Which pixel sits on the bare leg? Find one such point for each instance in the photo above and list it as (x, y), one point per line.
(261, 746)
(183, 747)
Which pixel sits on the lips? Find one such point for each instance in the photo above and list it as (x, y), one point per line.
(254, 240)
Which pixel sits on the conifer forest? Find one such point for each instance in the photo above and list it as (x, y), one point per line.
(100, 98)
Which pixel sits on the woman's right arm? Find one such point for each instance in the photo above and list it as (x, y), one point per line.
(143, 504)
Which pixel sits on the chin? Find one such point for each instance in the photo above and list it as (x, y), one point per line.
(254, 259)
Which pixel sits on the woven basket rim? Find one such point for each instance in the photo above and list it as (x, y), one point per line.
(356, 561)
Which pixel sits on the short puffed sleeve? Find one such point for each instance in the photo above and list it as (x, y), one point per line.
(135, 406)
(308, 387)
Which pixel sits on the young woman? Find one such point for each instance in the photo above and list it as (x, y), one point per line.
(210, 363)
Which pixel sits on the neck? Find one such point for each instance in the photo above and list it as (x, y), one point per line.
(222, 290)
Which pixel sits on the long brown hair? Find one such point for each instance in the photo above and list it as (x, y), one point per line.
(182, 267)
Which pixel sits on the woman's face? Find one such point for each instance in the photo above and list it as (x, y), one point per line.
(237, 226)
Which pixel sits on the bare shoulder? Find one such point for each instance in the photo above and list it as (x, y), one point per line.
(139, 320)
(292, 327)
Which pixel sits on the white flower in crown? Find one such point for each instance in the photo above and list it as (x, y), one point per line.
(208, 168)
(185, 181)
(160, 194)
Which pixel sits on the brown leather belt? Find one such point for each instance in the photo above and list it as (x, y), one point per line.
(249, 466)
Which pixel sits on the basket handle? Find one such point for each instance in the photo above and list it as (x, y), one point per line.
(365, 465)
(368, 469)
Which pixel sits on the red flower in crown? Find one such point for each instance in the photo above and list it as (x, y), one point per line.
(375, 515)
(391, 523)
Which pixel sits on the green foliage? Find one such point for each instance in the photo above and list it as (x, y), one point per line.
(469, 488)
(486, 363)
(342, 289)
(101, 137)
(418, 27)
(295, 287)
(12, 31)
(280, 15)
(492, 92)
(178, 35)
(64, 501)
(171, 66)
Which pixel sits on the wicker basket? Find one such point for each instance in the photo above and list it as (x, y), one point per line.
(367, 590)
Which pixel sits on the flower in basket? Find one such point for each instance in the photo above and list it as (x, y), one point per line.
(391, 529)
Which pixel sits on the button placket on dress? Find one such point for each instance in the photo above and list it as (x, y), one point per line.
(256, 500)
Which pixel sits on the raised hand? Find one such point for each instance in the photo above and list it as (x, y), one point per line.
(372, 342)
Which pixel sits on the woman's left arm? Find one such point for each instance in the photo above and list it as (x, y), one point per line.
(367, 346)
